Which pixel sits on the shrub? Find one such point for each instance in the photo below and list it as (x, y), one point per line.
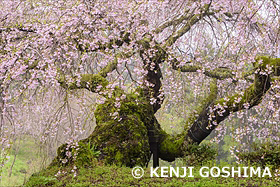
(200, 154)
(263, 154)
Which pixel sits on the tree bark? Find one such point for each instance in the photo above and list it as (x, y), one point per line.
(123, 139)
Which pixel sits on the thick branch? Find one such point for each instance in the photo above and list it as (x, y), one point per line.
(172, 147)
(91, 82)
(218, 73)
(109, 68)
(117, 42)
(154, 75)
(174, 22)
(19, 28)
(208, 120)
(192, 21)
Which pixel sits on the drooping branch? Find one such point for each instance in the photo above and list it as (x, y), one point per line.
(173, 22)
(191, 22)
(210, 98)
(91, 82)
(19, 28)
(124, 38)
(172, 147)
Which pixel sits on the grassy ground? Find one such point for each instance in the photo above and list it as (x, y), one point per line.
(18, 175)
(100, 175)
(28, 160)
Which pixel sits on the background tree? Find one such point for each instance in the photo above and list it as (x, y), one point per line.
(134, 54)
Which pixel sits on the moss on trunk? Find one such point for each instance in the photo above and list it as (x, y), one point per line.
(121, 133)
(123, 121)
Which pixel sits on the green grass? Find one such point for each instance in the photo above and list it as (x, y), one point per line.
(28, 160)
(18, 173)
(100, 175)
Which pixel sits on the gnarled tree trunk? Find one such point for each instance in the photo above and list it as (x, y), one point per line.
(123, 139)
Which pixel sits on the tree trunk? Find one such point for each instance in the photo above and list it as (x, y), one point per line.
(121, 133)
